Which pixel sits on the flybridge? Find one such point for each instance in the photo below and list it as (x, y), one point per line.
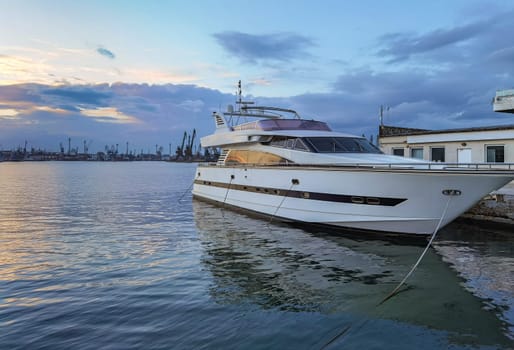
(283, 124)
(247, 109)
(272, 118)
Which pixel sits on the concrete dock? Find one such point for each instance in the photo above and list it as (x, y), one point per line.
(498, 207)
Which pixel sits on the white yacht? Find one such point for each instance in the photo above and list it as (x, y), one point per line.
(293, 169)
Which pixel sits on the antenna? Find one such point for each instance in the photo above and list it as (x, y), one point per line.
(382, 107)
(239, 92)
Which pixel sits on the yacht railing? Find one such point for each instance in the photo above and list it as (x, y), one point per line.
(439, 166)
(393, 166)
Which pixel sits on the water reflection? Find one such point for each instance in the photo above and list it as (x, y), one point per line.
(83, 222)
(279, 267)
(485, 259)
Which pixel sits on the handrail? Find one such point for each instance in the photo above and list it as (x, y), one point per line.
(392, 166)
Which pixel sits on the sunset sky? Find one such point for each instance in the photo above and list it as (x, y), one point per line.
(144, 72)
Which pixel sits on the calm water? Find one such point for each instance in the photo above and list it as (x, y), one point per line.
(104, 256)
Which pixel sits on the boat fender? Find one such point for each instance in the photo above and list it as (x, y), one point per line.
(295, 181)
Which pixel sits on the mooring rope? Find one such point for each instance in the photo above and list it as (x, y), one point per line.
(232, 177)
(293, 182)
(177, 203)
(395, 291)
(186, 192)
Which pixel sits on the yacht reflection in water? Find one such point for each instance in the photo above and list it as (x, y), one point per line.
(260, 265)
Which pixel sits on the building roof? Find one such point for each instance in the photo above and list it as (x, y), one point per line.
(391, 131)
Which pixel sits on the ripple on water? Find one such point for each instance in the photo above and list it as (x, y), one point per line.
(102, 255)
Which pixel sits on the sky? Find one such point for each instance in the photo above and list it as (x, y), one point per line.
(143, 72)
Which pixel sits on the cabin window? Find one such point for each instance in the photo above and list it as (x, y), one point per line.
(399, 152)
(301, 146)
(437, 154)
(279, 141)
(416, 153)
(325, 145)
(495, 154)
(253, 157)
(342, 145)
(291, 143)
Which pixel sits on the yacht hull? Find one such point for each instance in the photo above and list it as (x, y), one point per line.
(409, 201)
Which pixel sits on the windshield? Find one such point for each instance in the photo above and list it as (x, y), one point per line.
(341, 145)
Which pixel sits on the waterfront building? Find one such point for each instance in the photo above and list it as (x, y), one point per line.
(494, 144)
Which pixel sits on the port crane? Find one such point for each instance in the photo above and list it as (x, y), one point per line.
(180, 150)
(189, 148)
(87, 145)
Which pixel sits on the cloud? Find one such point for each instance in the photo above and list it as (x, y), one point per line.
(401, 46)
(192, 105)
(141, 114)
(106, 53)
(14, 69)
(503, 55)
(444, 78)
(109, 115)
(457, 45)
(78, 95)
(253, 48)
(8, 113)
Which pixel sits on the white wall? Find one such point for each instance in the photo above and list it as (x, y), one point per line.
(478, 153)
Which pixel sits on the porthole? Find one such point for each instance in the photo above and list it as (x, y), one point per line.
(357, 200)
(373, 201)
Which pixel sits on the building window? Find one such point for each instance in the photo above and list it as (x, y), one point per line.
(398, 152)
(495, 154)
(437, 154)
(416, 153)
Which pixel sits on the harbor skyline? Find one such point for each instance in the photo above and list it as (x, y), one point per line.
(146, 72)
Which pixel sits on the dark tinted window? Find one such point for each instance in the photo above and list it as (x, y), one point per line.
(289, 142)
(279, 141)
(301, 146)
(495, 154)
(437, 154)
(342, 145)
(325, 144)
(398, 152)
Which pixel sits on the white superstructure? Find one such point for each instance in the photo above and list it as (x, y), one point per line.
(504, 101)
(300, 170)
